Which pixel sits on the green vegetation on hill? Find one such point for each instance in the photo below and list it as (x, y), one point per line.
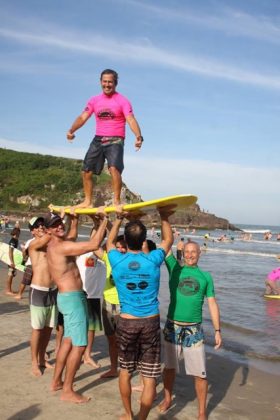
(43, 179)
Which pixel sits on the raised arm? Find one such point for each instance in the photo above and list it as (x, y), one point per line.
(39, 243)
(114, 233)
(215, 316)
(73, 231)
(70, 248)
(166, 231)
(78, 123)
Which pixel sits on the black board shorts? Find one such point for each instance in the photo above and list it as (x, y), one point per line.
(104, 148)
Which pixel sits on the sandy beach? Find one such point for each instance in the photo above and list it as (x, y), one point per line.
(235, 391)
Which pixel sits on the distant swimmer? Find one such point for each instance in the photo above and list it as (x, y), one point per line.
(222, 238)
(112, 111)
(267, 236)
(180, 247)
(272, 282)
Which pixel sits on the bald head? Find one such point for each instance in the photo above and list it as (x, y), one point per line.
(191, 253)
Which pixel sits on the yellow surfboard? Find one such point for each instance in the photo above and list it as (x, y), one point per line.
(176, 201)
(271, 296)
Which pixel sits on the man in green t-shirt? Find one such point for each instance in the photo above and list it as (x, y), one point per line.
(183, 333)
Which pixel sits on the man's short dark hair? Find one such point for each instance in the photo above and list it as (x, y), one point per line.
(113, 72)
(135, 234)
(151, 245)
(15, 231)
(121, 240)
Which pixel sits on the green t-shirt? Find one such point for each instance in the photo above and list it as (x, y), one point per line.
(188, 286)
(110, 291)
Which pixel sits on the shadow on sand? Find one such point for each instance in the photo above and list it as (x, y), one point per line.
(27, 414)
(13, 307)
(220, 376)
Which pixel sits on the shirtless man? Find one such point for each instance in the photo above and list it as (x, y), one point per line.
(42, 296)
(71, 299)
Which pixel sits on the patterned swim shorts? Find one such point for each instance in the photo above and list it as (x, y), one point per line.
(184, 335)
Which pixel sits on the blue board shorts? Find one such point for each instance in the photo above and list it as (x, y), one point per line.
(101, 149)
(73, 306)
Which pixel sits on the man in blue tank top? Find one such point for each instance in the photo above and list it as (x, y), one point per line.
(137, 276)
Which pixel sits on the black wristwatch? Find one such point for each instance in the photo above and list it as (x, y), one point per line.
(140, 138)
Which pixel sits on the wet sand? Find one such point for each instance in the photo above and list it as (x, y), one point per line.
(235, 391)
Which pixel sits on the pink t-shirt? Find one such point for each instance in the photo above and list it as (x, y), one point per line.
(274, 275)
(110, 113)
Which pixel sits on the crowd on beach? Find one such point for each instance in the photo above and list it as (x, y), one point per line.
(4, 223)
(67, 280)
(112, 282)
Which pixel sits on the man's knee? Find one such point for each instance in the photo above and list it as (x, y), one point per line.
(87, 174)
(114, 170)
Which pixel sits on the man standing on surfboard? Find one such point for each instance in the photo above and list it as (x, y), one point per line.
(112, 110)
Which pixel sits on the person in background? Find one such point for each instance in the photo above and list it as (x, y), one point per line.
(272, 282)
(13, 244)
(27, 276)
(93, 275)
(111, 308)
(179, 249)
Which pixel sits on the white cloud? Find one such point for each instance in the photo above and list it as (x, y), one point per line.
(242, 194)
(227, 20)
(145, 53)
(239, 193)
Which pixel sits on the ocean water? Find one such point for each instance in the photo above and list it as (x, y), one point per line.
(250, 323)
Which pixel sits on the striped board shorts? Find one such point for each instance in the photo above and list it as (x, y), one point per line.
(138, 343)
(43, 307)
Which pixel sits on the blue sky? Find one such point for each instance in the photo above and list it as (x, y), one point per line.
(203, 78)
